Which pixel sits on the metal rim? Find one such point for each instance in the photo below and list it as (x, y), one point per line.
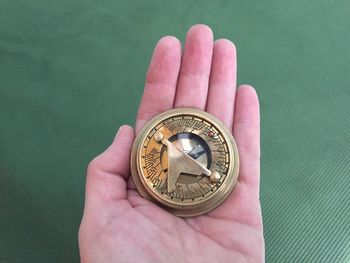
(202, 206)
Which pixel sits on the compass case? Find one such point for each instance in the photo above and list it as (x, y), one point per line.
(186, 161)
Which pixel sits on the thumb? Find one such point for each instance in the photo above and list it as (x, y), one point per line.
(108, 172)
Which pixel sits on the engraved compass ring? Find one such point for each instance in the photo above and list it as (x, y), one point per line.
(186, 161)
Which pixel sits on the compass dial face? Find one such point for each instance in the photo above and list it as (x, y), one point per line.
(186, 161)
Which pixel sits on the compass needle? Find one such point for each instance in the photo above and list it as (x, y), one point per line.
(179, 162)
(186, 161)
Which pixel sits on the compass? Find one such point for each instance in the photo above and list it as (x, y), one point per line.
(186, 161)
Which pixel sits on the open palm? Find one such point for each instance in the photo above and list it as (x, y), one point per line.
(121, 226)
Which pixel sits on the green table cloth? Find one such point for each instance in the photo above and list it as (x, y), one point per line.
(71, 72)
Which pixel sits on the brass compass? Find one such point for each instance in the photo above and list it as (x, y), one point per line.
(186, 161)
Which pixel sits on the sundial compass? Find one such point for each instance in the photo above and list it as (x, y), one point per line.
(186, 161)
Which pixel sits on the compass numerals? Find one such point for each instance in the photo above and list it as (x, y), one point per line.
(218, 147)
(152, 172)
(156, 181)
(151, 162)
(172, 126)
(184, 192)
(212, 136)
(163, 185)
(220, 164)
(198, 125)
(190, 123)
(152, 157)
(220, 167)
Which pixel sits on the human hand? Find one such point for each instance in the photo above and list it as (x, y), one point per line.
(119, 225)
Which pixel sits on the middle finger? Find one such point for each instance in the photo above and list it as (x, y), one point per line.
(222, 87)
(194, 74)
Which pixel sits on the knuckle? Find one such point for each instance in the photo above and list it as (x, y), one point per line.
(93, 165)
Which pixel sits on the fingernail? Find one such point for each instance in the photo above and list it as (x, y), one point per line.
(116, 136)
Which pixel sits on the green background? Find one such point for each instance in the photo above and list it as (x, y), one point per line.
(71, 72)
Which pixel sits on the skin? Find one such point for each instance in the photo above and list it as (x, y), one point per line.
(119, 225)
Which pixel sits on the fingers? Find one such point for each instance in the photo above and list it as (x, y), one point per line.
(106, 182)
(195, 68)
(243, 203)
(159, 92)
(246, 130)
(107, 173)
(222, 85)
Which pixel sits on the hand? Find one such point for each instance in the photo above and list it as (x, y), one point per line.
(120, 226)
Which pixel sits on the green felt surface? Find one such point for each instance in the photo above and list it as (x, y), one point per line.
(71, 72)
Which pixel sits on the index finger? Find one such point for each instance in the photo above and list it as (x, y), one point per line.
(160, 87)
